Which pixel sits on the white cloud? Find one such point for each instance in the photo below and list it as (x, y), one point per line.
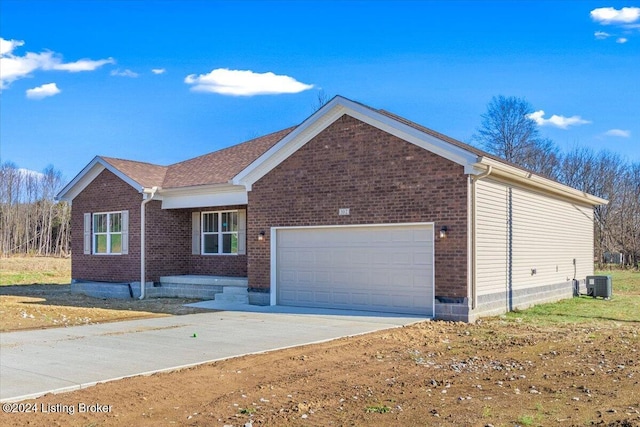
(158, 71)
(7, 46)
(601, 35)
(622, 40)
(43, 91)
(610, 15)
(618, 132)
(125, 73)
(561, 122)
(244, 83)
(14, 67)
(82, 65)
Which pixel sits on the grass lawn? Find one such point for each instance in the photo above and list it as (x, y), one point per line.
(21, 270)
(624, 306)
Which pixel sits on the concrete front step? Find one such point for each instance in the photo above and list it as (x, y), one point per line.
(233, 294)
(205, 280)
(196, 286)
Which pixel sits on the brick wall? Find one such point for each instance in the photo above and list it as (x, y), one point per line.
(169, 246)
(107, 193)
(168, 238)
(381, 178)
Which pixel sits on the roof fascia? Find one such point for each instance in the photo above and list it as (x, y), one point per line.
(204, 196)
(328, 114)
(88, 174)
(200, 189)
(529, 179)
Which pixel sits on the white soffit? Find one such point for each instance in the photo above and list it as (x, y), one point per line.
(204, 197)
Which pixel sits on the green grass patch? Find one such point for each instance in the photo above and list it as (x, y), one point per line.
(624, 306)
(378, 409)
(23, 270)
(623, 281)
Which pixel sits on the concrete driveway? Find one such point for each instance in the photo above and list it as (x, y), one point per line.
(33, 363)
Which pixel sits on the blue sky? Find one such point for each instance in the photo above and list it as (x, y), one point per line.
(164, 81)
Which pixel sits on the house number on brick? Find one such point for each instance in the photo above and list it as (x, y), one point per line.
(343, 211)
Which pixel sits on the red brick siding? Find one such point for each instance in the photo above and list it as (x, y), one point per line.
(107, 193)
(168, 238)
(381, 178)
(169, 246)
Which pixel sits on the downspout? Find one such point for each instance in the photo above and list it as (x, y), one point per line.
(148, 196)
(474, 269)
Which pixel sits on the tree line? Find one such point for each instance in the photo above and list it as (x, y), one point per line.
(507, 130)
(31, 221)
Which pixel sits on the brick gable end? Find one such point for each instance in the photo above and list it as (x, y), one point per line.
(380, 178)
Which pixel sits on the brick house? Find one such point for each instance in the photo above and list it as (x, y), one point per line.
(354, 208)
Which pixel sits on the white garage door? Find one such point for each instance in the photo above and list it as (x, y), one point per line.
(378, 268)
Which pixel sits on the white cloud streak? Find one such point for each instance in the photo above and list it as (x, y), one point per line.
(124, 73)
(610, 15)
(43, 91)
(244, 83)
(14, 67)
(622, 40)
(158, 70)
(81, 65)
(618, 132)
(561, 122)
(601, 35)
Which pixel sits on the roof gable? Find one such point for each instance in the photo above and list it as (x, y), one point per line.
(92, 170)
(239, 166)
(334, 109)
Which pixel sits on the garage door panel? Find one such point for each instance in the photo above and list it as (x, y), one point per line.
(323, 297)
(379, 268)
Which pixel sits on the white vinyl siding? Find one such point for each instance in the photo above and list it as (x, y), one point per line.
(376, 268)
(492, 236)
(547, 233)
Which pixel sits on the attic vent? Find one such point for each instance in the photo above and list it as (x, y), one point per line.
(599, 286)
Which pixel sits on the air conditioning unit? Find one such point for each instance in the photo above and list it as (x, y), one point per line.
(599, 286)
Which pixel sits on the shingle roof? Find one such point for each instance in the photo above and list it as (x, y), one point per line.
(145, 174)
(218, 167)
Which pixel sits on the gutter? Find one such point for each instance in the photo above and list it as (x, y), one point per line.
(148, 195)
(474, 261)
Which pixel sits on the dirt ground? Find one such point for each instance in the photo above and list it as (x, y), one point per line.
(45, 306)
(495, 373)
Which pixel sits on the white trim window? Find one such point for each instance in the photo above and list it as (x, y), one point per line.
(107, 233)
(219, 233)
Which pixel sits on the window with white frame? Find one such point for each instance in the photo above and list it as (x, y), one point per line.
(220, 232)
(107, 233)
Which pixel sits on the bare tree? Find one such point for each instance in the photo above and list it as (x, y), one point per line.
(321, 99)
(31, 222)
(607, 175)
(507, 131)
